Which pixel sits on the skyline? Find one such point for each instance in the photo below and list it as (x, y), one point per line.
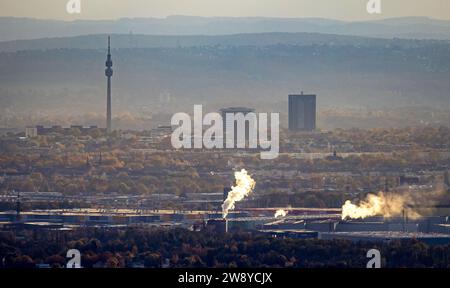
(237, 144)
(351, 10)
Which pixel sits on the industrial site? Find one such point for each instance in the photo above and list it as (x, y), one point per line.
(362, 222)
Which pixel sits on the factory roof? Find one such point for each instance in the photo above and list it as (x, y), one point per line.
(287, 231)
(387, 234)
(106, 212)
(236, 110)
(325, 217)
(299, 209)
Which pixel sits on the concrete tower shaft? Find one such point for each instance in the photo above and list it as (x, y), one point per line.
(108, 74)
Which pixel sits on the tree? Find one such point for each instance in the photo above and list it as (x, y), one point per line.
(152, 260)
(23, 261)
(112, 262)
(56, 261)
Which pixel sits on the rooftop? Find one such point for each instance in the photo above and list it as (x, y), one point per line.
(387, 234)
(237, 110)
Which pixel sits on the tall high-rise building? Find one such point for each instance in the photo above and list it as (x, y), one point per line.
(302, 112)
(234, 111)
(108, 74)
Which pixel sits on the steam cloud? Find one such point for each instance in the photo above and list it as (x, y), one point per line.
(244, 186)
(390, 205)
(281, 213)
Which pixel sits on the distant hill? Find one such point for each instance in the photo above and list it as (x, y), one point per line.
(342, 70)
(121, 41)
(410, 27)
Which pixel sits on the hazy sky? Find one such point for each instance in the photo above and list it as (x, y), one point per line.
(336, 9)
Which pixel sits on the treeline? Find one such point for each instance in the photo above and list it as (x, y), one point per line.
(157, 247)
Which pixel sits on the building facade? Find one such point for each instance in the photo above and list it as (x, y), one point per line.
(236, 111)
(302, 112)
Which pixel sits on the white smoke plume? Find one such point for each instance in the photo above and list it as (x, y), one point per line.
(244, 186)
(390, 205)
(281, 213)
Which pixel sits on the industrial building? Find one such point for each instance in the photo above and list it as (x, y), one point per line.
(39, 130)
(386, 236)
(296, 234)
(299, 223)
